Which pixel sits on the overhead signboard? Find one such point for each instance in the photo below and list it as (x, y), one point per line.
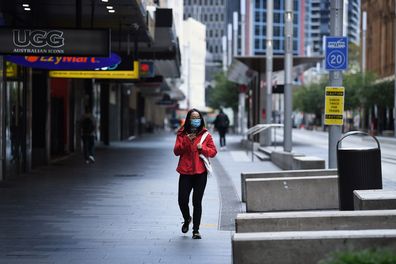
(65, 63)
(58, 42)
(107, 74)
(334, 106)
(336, 53)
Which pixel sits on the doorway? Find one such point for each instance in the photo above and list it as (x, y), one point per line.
(15, 128)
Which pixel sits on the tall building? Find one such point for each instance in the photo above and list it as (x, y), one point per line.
(308, 29)
(354, 8)
(318, 19)
(213, 14)
(193, 54)
(380, 49)
(257, 19)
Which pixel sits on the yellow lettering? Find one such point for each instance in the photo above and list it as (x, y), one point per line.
(58, 60)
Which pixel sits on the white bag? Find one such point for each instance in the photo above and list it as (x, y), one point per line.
(205, 159)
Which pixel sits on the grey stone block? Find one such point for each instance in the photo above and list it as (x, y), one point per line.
(308, 162)
(285, 173)
(315, 220)
(304, 246)
(284, 160)
(292, 194)
(374, 199)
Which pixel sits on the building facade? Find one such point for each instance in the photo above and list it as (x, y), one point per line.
(354, 10)
(193, 73)
(40, 113)
(380, 40)
(318, 23)
(213, 14)
(258, 38)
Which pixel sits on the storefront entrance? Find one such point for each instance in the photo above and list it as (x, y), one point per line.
(15, 128)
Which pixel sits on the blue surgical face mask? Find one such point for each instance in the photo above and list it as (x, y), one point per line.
(195, 122)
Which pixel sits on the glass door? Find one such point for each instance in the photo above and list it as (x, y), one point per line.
(15, 128)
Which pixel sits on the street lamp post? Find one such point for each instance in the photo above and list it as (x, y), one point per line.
(287, 142)
(336, 25)
(242, 94)
(394, 99)
(243, 25)
(269, 53)
(364, 30)
(224, 49)
(229, 44)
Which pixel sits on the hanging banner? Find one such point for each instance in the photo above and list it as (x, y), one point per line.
(58, 42)
(334, 106)
(65, 63)
(109, 74)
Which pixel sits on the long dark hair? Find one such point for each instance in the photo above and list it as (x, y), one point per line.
(187, 125)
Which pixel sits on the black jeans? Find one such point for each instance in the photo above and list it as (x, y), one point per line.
(187, 183)
(88, 145)
(222, 133)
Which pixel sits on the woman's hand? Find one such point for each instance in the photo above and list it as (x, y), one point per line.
(199, 146)
(191, 136)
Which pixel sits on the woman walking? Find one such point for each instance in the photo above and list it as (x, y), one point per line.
(193, 173)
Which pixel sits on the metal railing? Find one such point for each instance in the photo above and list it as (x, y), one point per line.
(254, 130)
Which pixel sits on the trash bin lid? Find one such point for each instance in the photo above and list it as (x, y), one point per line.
(358, 148)
(362, 148)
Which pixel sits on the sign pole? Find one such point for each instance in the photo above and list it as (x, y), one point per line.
(287, 138)
(394, 97)
(336, 17)
(269, 53)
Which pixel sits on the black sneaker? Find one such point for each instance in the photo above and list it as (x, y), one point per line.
(185, 225)
(196, 235)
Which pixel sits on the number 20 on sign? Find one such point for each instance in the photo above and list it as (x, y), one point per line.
(336, 53)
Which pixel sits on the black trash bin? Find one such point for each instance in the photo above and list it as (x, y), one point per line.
(358, 169)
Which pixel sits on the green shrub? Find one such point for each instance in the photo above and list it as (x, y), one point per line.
(367, 256)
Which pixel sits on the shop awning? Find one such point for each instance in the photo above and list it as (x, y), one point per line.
(165, 50)
(258, 63)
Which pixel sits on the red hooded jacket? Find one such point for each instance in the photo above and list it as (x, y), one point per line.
(189, 162)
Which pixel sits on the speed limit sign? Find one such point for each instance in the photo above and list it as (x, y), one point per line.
(336, 53)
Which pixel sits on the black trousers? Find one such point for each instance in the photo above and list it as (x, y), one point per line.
(187, 183)
(222, 133)
(88, 145)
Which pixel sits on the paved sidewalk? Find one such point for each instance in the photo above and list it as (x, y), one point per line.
(122, 209)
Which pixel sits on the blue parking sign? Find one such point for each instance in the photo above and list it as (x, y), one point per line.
(336, 53)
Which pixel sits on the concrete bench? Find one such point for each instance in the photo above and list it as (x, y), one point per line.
(315, 220)
(374, 199)
(292, 193)
(277, 174)
(308, 162)
(304, 246)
